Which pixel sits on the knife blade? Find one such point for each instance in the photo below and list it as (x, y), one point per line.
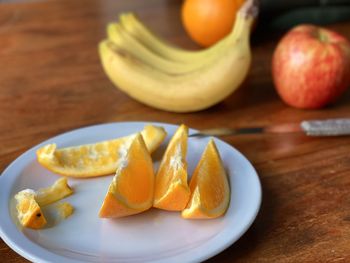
(327, 127)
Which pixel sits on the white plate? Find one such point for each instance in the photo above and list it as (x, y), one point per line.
(155, 235)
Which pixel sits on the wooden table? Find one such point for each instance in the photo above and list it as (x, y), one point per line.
(51, 81)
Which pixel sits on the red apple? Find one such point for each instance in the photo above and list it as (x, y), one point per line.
(311, 66)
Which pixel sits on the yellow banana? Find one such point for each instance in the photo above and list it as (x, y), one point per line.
(123, 40)
(117, 34)
(159, 46)
(189, 91)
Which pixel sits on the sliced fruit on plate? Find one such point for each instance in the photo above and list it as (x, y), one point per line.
(171, 188)
(131, 191)
(64, 209)
(59, 190)
(29, 212)
(153, 137)
(209, 186)
(29, 202)
(94, 159)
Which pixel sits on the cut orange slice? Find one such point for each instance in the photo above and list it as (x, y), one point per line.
(29, 212)
(131, 190)
(171, 188)
(209, 186)
(94, 159)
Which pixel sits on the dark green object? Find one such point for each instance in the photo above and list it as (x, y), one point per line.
(286, 14)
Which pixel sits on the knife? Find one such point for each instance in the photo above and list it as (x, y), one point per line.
(328, 127)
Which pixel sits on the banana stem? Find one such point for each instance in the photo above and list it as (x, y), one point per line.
(244, 19)
(250, 9)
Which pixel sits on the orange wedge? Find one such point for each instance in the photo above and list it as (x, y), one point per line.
(94, 159)
(171, 188)
(131, 190)
(29, 212)
(209, 186)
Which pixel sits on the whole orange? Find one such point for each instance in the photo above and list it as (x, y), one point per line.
(208, 21)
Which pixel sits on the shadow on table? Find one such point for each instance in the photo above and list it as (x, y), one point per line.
(263, 224)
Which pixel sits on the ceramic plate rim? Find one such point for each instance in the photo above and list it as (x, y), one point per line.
(34, 252)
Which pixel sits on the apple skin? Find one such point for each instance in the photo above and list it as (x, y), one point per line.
(311, 67)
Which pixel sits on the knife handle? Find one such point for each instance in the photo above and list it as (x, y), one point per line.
(331, 127)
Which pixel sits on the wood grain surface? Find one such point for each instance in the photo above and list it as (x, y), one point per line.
(51, 81)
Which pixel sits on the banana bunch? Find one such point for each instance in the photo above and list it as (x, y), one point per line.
(169, 78)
